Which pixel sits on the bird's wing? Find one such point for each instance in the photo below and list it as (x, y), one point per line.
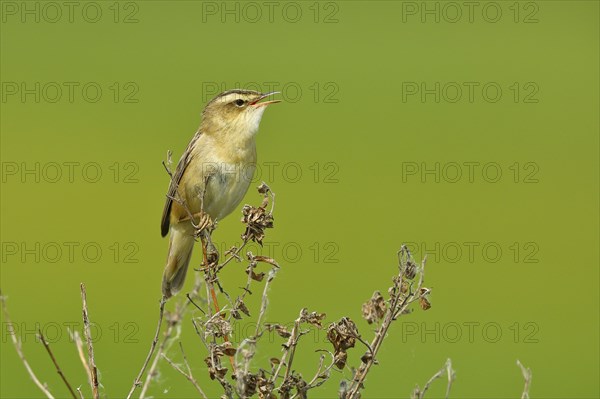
(175, 179)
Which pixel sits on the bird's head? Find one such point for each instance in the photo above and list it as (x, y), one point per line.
(236, 112)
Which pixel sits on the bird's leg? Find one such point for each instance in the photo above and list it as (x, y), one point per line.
(204, 221)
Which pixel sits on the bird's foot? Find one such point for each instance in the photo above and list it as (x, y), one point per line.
(204, 223)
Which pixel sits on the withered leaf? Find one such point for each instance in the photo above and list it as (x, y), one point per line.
(254, 276)
(241, 306)
(279, 329)
(313, 318)
(374, 309)
(424, 302)
(266, 259)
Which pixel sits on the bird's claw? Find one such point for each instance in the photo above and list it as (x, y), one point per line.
(204, 223)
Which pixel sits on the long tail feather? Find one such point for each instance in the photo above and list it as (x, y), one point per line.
(181, 244)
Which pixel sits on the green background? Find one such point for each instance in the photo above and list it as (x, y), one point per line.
(360, 130)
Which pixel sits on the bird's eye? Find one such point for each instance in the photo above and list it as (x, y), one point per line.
(239, 102)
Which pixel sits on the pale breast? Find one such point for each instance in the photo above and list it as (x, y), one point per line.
(230, 172)
(226, 189)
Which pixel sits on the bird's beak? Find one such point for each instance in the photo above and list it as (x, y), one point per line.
(256, 102)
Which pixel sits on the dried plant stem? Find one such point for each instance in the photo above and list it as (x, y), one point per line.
(58, 370)
(398, 305)
(527, 375)
(447, 369)
(288, 351)
(320, 373)
(187, 375)
(90, 346)
(79, 344)
(152, 370)
(19, 349)
(138, 379)
(173, 321)
(233, 254)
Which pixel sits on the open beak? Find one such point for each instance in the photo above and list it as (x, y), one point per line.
(256, 102)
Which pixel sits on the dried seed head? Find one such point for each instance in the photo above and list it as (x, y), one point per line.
(263, 188)
(374, 309)
(313, 318)
(279, 329)
(343, 337)
(340, 359)
(217, 326)
(410, 271)
(257, 219)
(404, 287)
(215, 370)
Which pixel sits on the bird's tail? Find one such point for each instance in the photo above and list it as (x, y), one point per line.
(181, 243)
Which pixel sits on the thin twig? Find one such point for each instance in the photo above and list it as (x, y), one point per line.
(19, 349)
(90, 346)
(187, 375)
(235, 254)
(79, 344)
(527, 375)
(194, 303)
(287, 348)
(447, 369)
(399, 303)
(173, 322)
(58, 370)
(138, 379)
(152, 370)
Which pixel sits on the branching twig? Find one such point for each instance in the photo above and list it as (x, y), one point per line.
(419, 393)
(58, 370)
(138, 379)
(90, 346)
(187, 375)
(173, 321)
(19, 349)
(401, 296)
(527, 375)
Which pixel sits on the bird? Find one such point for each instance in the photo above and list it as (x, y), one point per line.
(212, 176)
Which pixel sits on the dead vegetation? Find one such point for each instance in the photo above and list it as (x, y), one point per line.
(231, 363)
